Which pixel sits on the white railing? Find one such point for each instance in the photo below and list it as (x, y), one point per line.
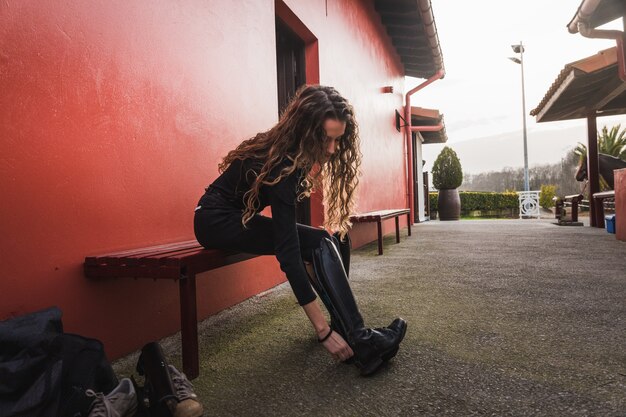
(529, 204)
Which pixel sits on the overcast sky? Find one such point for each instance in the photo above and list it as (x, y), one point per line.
(480, 95)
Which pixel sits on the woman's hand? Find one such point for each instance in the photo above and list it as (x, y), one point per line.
(336, 346)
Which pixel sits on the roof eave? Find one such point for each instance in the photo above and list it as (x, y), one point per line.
(411, 27)
(590, 86)
(421, 116)
(595, 13)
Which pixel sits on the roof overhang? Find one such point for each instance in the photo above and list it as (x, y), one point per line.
(411, 27)
(585, 87)
(596, 13)
(429, 117)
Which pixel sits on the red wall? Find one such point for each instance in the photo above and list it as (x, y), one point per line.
(113, 117)
(358, 58)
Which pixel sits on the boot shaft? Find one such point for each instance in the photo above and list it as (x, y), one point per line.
(345, 247)
(334, 287)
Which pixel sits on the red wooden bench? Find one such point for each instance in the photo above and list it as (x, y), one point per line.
(378, 217)
(178, 261)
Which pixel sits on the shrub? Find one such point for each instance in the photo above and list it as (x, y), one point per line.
(545, 197)
(472, 200)
(433, 199)
(447, 172)
(475, 200)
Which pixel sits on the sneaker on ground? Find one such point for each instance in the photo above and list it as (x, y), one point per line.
(121, 402)
(188, 404)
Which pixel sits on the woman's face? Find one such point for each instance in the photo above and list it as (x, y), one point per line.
(334, 131)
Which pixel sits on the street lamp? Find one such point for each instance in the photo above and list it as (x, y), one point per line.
(519, 49)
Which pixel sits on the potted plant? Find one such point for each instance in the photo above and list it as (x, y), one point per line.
(447, 177)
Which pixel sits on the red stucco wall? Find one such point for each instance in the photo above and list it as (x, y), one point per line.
(357, 57)
(113, 117)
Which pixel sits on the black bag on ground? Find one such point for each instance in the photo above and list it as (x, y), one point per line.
(45, 372)
(158, 388)
(30, 377)
(85, 366)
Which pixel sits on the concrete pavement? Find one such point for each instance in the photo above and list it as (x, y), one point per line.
(506, 318)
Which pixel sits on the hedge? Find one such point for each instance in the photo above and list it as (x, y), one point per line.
(472, 200)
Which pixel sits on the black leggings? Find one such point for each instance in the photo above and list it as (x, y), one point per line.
(217, 225)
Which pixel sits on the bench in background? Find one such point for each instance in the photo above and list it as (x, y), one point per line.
(603, 199)
(177, 261)
(572, 201)
(378, 217)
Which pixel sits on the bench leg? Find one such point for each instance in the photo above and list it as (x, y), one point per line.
(380, 237)
(397, 229)
(408, 222)
(189, 326)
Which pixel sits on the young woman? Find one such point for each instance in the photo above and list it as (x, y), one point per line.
(315, 145)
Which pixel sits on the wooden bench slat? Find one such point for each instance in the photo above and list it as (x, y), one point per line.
(163, 257)
(162, 252)
(604, 194)
(151, 257)
(114, 256)
(168, 265)
(184, 258)
(577, 197)
(378, 215)
(165, 246)
(116, 271)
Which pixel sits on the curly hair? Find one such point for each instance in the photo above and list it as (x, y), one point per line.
(299, 137)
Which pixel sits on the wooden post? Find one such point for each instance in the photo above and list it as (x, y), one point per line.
(408, 220)
(574, 209)
(380, 236)
(426, 197)
(620, 204)
(397, 229)
(599, 206)
(593, 173)
(189, 325)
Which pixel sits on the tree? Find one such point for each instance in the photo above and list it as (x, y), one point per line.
(560, 174)
(547, 193)
(611, 142)
(447, 172)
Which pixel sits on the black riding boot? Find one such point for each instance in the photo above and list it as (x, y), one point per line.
(345, 246)
(371, 346)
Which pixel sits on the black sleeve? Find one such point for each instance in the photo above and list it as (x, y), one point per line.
(282, 198)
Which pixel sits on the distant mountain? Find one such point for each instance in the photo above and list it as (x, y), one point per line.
(494, 153)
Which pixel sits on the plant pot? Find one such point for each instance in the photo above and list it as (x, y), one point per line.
(449, 204)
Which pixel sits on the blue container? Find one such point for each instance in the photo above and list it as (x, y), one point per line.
(610, 223)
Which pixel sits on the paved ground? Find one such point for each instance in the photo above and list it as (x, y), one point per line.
(506, 318)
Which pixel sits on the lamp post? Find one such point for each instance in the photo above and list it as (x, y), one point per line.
(519, 49)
